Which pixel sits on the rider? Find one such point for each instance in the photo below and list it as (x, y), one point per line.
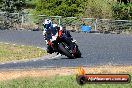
(51, 31)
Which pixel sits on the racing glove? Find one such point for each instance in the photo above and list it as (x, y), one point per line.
(60, 33)
(50, 43)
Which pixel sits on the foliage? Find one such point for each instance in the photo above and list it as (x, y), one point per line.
(30, 4)
(66, 8)
(84, 8)
(122, 11)
(16, 5)
(71, 8)
(12, 5)
(98, 9)
(0, 4)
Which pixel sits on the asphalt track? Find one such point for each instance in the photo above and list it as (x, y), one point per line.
(97, 50)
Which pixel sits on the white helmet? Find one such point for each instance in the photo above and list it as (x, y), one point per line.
(47, 23)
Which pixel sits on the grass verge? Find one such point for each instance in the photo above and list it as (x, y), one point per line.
(57, 78)
(10, 52)
(55, 82)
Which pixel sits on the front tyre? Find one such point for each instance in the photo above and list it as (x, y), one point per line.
(78, 54)
(65, 51)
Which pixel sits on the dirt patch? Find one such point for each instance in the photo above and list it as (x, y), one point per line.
(13, 74)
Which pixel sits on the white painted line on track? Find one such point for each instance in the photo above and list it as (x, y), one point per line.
(42, 48)
(56, 56)
(14, 62)
(25, 60)
(2, 63)
(34, 60)
(52, 57)
(6, 43)
(13, 44)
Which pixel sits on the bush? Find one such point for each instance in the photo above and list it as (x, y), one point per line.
(122, 11)
(98, 9)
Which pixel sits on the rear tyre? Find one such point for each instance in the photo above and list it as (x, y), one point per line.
(65, 51)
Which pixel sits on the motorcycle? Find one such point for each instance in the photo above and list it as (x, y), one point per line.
(61, 46)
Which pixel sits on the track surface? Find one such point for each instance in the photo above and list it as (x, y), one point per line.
(97, 49)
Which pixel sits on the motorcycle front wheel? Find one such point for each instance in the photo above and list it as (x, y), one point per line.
(78, 53)
(65, 51)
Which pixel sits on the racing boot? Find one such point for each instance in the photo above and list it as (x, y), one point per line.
(50, 49)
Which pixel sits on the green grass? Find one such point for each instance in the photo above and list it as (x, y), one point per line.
(55, 82)
(9, 52)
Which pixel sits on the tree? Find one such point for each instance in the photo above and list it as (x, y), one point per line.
(66, 8)
(125, 1)
(0, 4)
(98, 9)
(12, 5)
(122, 11)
